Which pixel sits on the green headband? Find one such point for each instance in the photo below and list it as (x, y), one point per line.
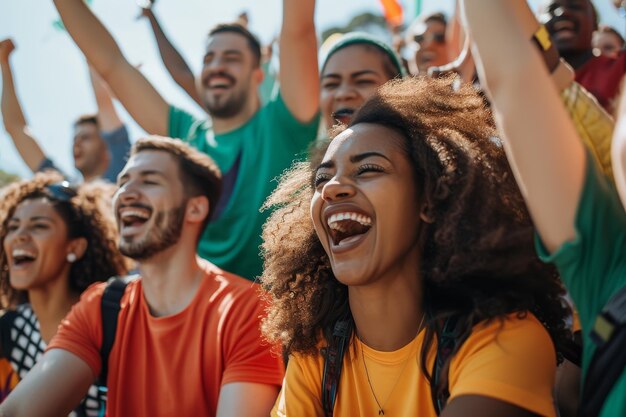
(362, 38)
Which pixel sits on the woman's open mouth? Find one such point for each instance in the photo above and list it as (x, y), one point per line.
(347, 229)
(22, 258)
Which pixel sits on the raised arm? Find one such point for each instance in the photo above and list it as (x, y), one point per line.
(130, 87)
(299, 77)
(172, 59)
(542, 145)
(58, 382)
(455, 34)
(12, 115)
(108, 118)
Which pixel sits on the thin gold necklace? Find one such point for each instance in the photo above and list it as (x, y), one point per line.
(381, 407)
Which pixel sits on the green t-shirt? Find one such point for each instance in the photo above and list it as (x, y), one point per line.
(593, 265)
(250, 158)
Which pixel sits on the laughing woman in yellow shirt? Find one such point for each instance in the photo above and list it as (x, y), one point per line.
(408, 223)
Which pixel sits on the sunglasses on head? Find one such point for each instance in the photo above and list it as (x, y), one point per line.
(61, 191)
(434, 37)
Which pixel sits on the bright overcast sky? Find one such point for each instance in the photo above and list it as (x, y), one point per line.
(51, 78)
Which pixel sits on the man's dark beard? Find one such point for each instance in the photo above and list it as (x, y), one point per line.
(160, 237)
(228, 108)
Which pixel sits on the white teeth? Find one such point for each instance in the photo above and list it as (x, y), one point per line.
(219, 83)
(22, 252)
(134, 213)
(335, 226)
(337, 217)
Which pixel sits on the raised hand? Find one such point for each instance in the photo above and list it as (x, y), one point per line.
(146, 7)
(145, 4)
(6, 47)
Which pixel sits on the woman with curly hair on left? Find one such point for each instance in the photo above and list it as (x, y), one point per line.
(411, 233)
(56, 241)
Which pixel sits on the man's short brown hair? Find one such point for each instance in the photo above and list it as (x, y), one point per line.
(87, 119)
(199, 174)
(253, 41)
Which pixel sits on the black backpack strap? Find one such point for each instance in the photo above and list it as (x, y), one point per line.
(572, 350)
(110, 307)
(6, 342)
(608, 361)
(446, 346)
(333, 361)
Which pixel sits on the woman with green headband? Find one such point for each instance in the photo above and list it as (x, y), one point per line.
(354, 65)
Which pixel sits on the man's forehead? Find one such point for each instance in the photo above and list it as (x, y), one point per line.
(85, 127)
(150, 160)
(227, 41)
(84, 131)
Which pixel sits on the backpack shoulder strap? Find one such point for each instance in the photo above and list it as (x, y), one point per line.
(333, 361)
(7, 317)
(572, 350)
(110, 308)
(446, 345)
(608, 361)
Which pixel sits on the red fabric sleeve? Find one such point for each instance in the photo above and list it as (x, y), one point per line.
(248, 357)
(80, 332)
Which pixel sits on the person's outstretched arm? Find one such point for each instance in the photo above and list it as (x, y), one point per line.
(54, 387)
(12, 115)
(172, 59)
(108, 118)
(542, 145)
(299, 78)
(112, 129)
(130, 87)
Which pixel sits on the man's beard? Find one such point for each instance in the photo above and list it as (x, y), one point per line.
(226, 107)
(160, 237)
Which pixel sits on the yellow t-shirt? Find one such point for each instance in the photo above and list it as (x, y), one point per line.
(513, 361)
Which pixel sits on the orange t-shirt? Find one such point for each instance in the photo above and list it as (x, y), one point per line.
(514, 362)
(175, 365)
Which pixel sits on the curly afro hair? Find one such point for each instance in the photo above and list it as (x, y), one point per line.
(478, 260)
(87, 215)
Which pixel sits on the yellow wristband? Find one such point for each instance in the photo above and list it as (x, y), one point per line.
(542, 37)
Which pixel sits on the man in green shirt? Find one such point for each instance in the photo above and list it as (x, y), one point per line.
(251, 144)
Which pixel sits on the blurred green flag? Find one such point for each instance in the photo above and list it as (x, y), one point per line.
(413, 9)
(58, 24)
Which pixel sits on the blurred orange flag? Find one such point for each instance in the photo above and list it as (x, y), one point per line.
(393, 12)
